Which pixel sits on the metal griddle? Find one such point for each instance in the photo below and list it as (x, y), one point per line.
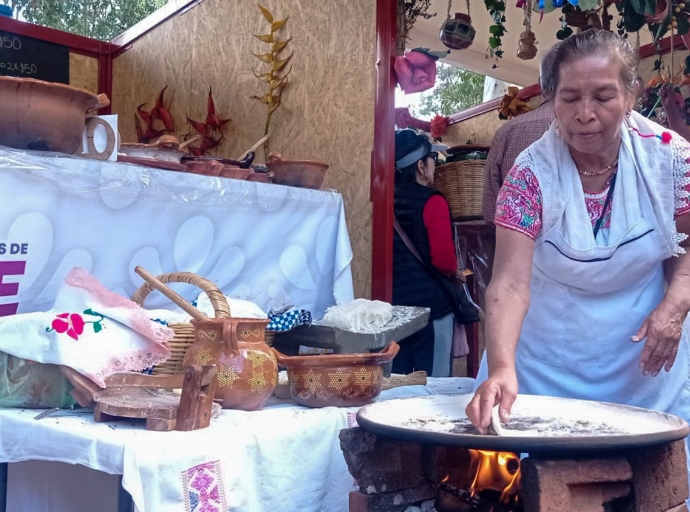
(538, 424)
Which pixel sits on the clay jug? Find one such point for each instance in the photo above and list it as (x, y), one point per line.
(247, 369)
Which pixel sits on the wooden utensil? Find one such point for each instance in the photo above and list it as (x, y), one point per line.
(170, 293)
(262, 140)
(188, 142)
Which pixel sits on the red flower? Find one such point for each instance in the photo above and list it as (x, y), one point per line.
(666, 137)
(439, 125)
(70, 323)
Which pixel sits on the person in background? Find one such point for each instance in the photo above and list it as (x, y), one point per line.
(425, 265)
(511, 139)
(674, 105)
(591, 282)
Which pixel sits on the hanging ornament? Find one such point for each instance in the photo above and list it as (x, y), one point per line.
(458, 33)
(527, 45)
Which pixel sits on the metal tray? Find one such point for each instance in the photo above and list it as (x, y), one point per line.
(538, 424)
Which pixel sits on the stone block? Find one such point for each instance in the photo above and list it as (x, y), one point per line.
(573, 485)
(378, 464)
(660, 477)
(398, 501)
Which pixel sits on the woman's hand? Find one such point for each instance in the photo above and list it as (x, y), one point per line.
(500, 389)
(662, 329)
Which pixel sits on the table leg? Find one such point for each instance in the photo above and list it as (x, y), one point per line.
(124, 500)
(3, 486)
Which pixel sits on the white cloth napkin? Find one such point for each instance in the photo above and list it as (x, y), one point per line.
(90, 329)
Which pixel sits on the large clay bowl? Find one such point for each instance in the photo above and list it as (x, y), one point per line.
(340, 380)
(43, 116)
(296, 173)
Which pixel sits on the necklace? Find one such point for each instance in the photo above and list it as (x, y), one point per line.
(598, 173)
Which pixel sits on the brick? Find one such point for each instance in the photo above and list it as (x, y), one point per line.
(573, 485)
(397, 501)
(660, 477)
(378, 464)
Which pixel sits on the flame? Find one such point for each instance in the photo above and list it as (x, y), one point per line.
(499, 471)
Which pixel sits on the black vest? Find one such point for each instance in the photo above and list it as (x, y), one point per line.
(415, 284)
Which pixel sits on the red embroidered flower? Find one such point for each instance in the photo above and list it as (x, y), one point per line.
(439, 125)
(665, 137)
(71, 324)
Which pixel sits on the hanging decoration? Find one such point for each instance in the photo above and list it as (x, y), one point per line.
(416, 70)
(512, 106)
(458, 33)
(496, 9)
(527, 45)
(408, 12)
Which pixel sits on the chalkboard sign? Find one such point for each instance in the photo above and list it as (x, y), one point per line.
(26, 57)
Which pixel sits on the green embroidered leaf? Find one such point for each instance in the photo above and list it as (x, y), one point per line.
(90, 312)
(97, 327)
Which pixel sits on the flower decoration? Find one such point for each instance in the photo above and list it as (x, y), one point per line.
(273, 77)
(416, 70)
(512, 106)
(157, 121)
(73, 324)
(439, 125)
(211, 131)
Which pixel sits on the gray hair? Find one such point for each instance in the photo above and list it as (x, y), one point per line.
(546, 70)
(592, 42)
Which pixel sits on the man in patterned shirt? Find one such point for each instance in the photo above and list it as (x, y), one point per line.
(511, 139)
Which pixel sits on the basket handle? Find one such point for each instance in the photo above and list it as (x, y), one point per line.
(218, 301)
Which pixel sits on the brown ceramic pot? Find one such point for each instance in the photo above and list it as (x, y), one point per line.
(229, 171)
(340, 380)
(205, 167)
(247, 369)
(43, 116)
(296, 173)
(263, 177)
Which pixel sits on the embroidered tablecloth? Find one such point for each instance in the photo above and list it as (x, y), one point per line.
(284, 457)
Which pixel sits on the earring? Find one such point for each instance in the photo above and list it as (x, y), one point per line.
(557, 129)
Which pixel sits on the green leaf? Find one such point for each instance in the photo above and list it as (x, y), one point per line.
(633, 21)
(683, 24)
(97, 327)
(494, 42)
(90, 312)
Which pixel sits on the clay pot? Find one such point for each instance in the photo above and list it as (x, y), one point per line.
(263, 177)
(230, 171)
(204, 167)
(340, 380)
(296, 173)
(44, 116)
(458, 33)
(165, 148)
(247, 369)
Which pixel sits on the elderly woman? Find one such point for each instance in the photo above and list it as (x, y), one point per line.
(591, 281)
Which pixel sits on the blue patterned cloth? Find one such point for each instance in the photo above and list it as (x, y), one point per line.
(287, 320)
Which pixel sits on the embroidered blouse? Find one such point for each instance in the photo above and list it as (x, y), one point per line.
(519, 203)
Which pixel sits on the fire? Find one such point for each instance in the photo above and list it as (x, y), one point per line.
(498, 471)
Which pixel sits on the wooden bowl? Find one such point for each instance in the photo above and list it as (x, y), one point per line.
(340, 380)
(43, 116)
(296, 173)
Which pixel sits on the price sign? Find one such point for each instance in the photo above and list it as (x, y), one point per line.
(26, 57)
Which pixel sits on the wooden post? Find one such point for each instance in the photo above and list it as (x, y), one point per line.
(196, 402)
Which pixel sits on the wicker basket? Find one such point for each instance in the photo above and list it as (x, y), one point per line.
(184, 332)
(463, 185)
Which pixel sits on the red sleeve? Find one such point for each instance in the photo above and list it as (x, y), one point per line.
(439, 230)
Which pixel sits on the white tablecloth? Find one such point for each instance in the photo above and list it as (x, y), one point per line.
(274, 245)
(283, 457)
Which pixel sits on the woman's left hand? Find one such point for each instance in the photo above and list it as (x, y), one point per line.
(662, 330)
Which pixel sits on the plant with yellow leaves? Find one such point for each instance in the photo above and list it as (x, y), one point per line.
(275, 77)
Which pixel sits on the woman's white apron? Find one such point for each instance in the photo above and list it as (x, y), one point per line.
(588, 297)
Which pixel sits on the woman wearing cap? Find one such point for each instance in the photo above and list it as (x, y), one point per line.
(424, 260)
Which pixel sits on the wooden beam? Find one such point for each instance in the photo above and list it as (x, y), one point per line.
(383, 155)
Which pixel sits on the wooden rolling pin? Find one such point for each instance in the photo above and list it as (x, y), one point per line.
(171, 294)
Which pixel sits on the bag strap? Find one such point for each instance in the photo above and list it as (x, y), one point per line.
(406, 240)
